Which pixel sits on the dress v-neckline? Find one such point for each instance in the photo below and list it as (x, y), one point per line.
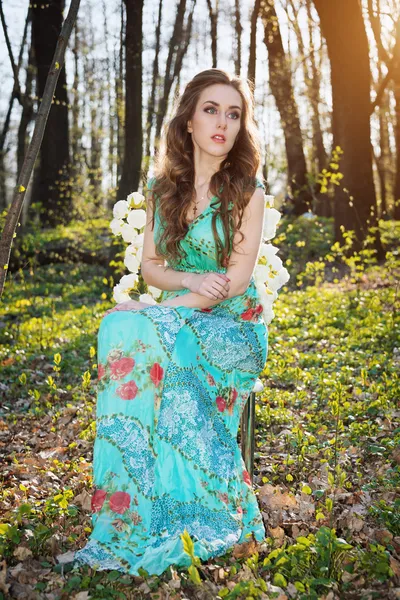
(203, 211)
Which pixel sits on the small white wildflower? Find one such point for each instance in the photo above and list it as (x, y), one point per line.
(147, 298)
(269, 200)
(135, 200)
(128, 233)
(137, 218)
(116, 226)
(121, 209)
(271, 219)
(120, 295)
(132, 263)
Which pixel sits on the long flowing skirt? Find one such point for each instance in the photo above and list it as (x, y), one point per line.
(172, 386)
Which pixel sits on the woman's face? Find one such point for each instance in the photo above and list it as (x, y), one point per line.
(218, 113)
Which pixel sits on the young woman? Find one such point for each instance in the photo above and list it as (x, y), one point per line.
(174, 376)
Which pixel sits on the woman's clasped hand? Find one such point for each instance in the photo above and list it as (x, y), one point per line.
(211, 285)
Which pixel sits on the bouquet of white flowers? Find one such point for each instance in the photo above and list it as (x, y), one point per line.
(129, 221)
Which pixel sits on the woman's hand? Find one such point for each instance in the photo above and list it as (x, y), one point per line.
(212, 285)
(128, 305)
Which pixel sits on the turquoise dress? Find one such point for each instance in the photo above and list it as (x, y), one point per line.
(172, 384)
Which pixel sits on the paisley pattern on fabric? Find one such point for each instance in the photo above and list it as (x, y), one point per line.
(172, 384)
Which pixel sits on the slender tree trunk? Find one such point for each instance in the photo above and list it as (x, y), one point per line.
(109, 101)
(27, 112)
(238, 34)
(280, 80)
(119, 96)
(16, 94)
(51, 187)
(251, 70)
(76, 131)
(176, 53)
(131, 168)
(396, 210)
(393, 73)
(214, 26)
(34, 146)
(355, 199)
(152, 95)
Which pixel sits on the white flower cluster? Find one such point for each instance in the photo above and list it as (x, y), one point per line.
(129, 221)
(269, 273)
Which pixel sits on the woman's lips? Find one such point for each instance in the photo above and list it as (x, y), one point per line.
(218, 140)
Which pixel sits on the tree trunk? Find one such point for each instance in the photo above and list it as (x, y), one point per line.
(51, 186)
(393, 72)
(238, 34)
(396, 210)
(152, 95)
(16, 94)
(281, 87)
(119, 95)
(251, 69)
(131, 167)
(177, 49)
(213, 14)
(34, 146)
(27, 112)
(355, 199)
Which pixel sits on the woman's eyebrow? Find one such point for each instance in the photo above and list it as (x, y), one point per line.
(216, 104)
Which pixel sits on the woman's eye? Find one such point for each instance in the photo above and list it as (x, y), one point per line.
(235, 115)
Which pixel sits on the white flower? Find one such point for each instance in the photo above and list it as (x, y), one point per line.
(138, 240)
(116, 226)
(147, 298)
(128, 282)
(129, 233)
(155, 292)
(135, 199)
(120, 295)
(137, 218)
(261, 273)
(267, 251)
(131, 262)
(121, 209)
(131, 249)
(277, 282)
(139, 253)
(269, 200)
(271, 219)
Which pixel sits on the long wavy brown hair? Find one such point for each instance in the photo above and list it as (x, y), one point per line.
(174, 171)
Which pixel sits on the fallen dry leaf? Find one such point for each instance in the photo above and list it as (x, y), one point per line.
(4, 587)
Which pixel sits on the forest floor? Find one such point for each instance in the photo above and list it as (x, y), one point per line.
(327, 446)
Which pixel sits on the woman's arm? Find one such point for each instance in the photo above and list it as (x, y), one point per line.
(153, 268)
(242, 261)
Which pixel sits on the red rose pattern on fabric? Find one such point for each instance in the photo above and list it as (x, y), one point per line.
(229, 403)
(246, 477)
(121, 368)
(127, 391)
(101, 371)
(156, 374)
(252, 313)
(119, 502)
(97, 500)
(221, 403)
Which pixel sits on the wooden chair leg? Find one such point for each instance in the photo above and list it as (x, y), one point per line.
(247, 427)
